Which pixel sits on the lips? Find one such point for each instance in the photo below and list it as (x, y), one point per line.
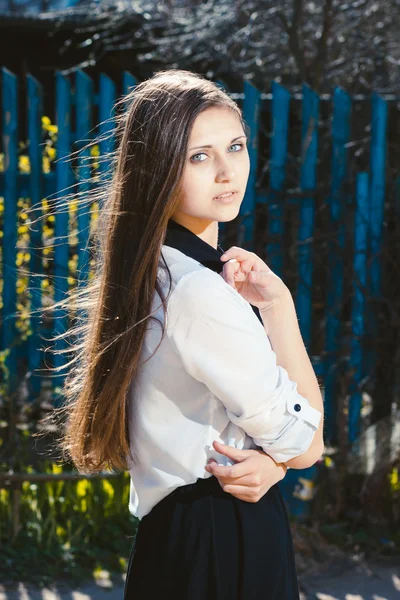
(225, 194)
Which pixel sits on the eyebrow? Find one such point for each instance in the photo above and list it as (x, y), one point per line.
(209, 146)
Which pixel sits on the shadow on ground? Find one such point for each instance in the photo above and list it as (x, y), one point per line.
(341, 580)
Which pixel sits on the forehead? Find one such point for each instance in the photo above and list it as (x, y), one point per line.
(215, 123)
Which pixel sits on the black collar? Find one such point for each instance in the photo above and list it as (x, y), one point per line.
(181, 238)
(192, 245)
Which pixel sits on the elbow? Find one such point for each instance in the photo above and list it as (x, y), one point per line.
(308, 458)
(313, 455)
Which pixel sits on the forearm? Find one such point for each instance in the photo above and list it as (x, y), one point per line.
(281, 325)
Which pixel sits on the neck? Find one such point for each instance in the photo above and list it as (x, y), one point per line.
(205, 230)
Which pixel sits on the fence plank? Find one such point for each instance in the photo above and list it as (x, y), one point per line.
(64, 180)
(35, 113)
(357, 309)
(129, 81)
(10, 146)
(84, 97)
(107, 97)
(278, 155)
(335, 273)
(309, 159)
(376, 218)
(251, 112)
(377, 200)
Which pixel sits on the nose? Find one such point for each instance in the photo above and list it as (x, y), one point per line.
(225, 172)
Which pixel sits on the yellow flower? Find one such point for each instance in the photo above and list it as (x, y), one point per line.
(51, 152)
(46, 164)
(82, 487)
(394, 480)
(24, 164)
(108, 488)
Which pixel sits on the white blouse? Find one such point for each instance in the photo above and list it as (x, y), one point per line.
(213, 377)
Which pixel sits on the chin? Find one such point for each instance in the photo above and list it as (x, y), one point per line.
(229, 213)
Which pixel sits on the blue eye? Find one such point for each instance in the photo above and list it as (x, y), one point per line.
(238, 144)
(200, 153)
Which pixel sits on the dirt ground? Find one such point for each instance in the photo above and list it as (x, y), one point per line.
(342, 579)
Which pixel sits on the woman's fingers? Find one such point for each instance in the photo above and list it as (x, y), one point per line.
(228, 272)
(247, 481)
(238, 472)
(245, 264)
(236, 252)
(234, 270)
(243, 493)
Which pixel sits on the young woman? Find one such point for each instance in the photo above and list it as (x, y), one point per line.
(191, 370)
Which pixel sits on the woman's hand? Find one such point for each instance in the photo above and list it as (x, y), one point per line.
(251, 477)
(252, 278)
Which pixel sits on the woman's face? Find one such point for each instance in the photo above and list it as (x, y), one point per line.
(217, 161)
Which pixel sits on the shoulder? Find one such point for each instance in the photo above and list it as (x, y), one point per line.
(204, 293)
(178, 263)
(198, 290)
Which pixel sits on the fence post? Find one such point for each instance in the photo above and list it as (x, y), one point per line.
(251, 112)
(358, 303)
(309, 158)
(107, 97)
(335, 272)
(61, 227)
(10, 145)
(278, 156)
(84, 99)
(129, 81)
(35, 112)
(376, 217)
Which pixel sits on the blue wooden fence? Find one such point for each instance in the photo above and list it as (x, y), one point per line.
(77, 95)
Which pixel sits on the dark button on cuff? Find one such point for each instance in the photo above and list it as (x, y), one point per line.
(297, 407)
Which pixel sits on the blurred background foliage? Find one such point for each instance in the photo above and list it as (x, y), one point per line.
(50, 530)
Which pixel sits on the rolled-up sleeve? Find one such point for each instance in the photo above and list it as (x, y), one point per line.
(223, 345)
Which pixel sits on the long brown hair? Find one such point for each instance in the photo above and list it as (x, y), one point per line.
(112, 308)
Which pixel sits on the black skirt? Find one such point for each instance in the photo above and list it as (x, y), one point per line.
(201, 543)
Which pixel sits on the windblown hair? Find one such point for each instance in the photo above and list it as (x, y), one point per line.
(107, 333)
